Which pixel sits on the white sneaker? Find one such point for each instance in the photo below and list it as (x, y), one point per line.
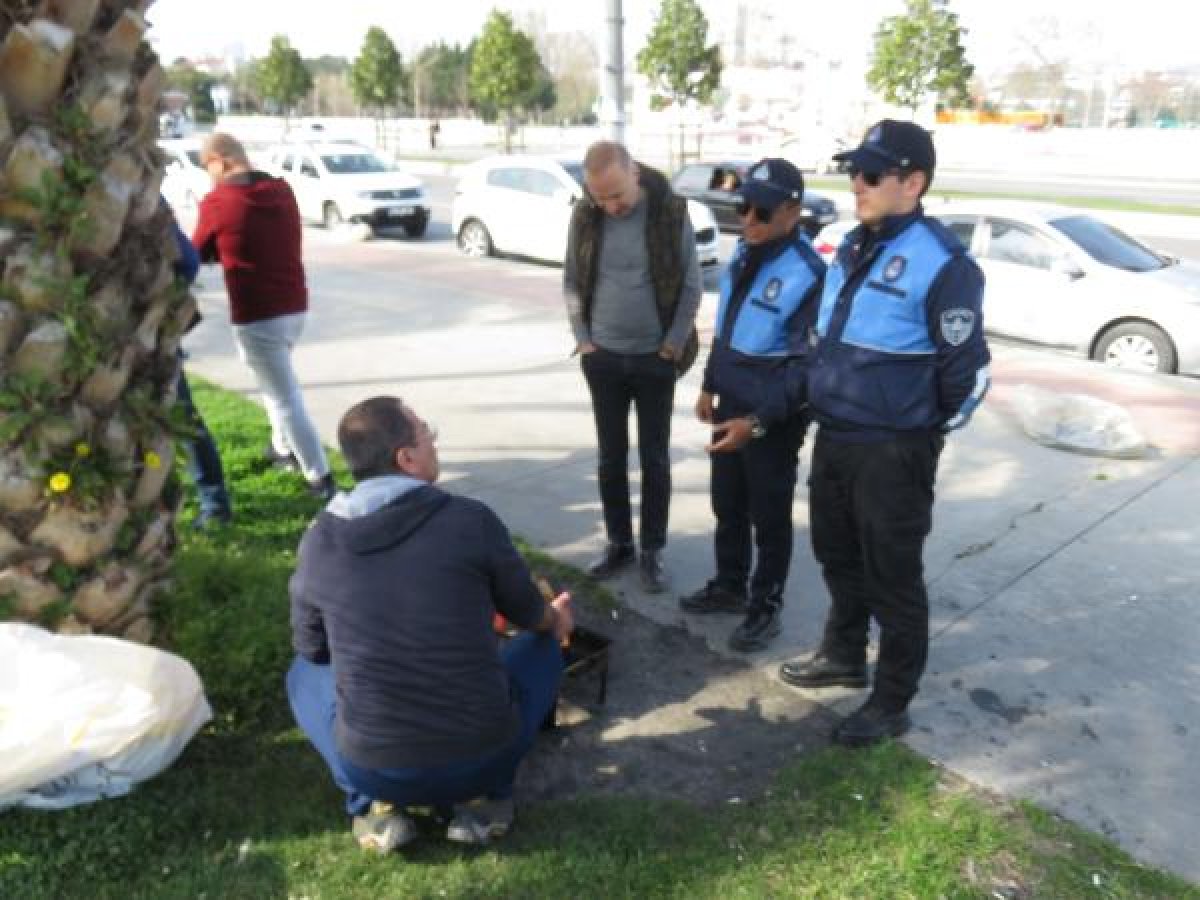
(481, 820)
(383, 829)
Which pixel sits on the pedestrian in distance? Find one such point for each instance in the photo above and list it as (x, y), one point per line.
(632, 286)
(203, 457)
(250, 224)
(900, 362)
(754, 397)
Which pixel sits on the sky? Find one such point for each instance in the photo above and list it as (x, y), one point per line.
(1148, 33)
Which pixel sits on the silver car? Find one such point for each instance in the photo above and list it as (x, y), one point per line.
(1064, 278)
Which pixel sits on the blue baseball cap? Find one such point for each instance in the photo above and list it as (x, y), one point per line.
(770, 182)
(892, 144)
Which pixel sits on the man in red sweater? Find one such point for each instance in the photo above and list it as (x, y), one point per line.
(250, 224)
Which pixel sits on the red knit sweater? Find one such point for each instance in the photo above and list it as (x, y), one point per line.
(250, 224)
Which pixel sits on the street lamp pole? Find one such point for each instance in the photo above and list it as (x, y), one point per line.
(614, 72)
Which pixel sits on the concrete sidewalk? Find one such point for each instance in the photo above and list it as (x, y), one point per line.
(1063, 588)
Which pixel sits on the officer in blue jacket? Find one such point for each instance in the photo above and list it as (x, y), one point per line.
(754, 395)
(900, 360)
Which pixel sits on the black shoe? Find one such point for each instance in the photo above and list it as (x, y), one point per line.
(821, 671)
(323, 488)
(207, 518)
(614, 558)
(870, 724)
(761, 624)
(650, 569)
(286, 461)
(714, 598)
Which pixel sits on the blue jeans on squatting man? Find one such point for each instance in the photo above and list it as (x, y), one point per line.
(534, 663)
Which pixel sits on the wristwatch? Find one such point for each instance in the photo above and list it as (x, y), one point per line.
(757, 429)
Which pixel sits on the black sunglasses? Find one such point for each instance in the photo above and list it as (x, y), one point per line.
(760, 212)
(872, 179)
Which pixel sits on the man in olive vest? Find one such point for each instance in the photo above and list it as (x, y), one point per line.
(632, 284)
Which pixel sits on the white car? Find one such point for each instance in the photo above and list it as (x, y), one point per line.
(338, 182)
(522, 205)
(1061, 277)
(185, 181)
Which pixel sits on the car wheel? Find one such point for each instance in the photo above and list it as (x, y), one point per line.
(415, 228)
(474, 240)
(331, 215)
(1136, 347)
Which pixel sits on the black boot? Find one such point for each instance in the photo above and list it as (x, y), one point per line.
(762, 623)
(614, 558)
(871, 723)
(650, 570)
(714, 598)
(823, 671)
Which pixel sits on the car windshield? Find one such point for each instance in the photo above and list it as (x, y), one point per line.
(194, 156)
(354, 163)
(575, 170)
(1109, 245)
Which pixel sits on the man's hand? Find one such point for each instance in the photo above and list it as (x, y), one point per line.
(704, 407)
(731, 435)
(585, 348)
(667, 352)
(564, 618)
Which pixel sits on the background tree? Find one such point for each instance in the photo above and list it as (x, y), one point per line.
(282, 78)
(573, 62)
(440, 79)
(183, 76)
(91, 318)
(377, 77)
(504, 66)
(921, 53)
(677, 60)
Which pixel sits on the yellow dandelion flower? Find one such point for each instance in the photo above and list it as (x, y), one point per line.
(82, 450)
(153, 460)
(60, 482)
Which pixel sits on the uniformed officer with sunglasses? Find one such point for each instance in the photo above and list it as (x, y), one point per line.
(900, 360)
(753, 395)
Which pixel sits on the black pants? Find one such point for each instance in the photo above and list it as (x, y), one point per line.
(871, 507)
(752, 492)
(648, 381)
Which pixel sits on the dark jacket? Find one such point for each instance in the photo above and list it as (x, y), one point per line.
(900, 334)
(665, 214)
(759, 357)
(400, 601)
(250, 224)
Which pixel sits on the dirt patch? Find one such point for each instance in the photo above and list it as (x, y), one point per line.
(679, 720)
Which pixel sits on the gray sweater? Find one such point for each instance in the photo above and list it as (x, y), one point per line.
(624, 313)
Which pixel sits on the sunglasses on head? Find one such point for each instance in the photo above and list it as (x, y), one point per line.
(872, 178)
(760, 212)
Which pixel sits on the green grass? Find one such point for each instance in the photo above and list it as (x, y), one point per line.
(249, 812)
(1174, 209)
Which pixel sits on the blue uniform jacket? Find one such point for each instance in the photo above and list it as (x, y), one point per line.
(899, 336)
(768, 305)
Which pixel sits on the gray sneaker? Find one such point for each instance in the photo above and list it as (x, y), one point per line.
(383, 829)
(481, 820)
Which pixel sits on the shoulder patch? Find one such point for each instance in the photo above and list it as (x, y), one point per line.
(957, 325)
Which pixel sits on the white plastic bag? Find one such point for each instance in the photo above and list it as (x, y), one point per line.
(1077, 422)
(84, 717)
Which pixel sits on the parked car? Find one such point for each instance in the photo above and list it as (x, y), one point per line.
(1061, 277)
(715, 185)
(185, 182)
(521, 205)
(340, 181)
(830, 237)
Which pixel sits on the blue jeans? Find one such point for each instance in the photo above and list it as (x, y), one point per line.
(534, 663)
(203, 459)
(266, 347)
